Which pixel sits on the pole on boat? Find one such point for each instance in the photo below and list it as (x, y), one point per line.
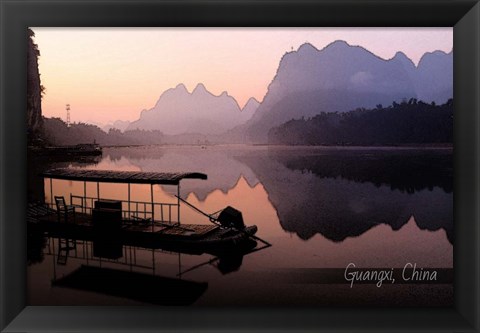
(51, 192)
(98, 190)
(153, 208)
(128, 210)
(84, 197)
(217, 222)
(178, 203)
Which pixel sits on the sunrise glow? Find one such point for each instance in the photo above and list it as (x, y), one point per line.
(109, 74)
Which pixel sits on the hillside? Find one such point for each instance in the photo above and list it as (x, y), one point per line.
(412, 122)
(59, 134)
(341, 77)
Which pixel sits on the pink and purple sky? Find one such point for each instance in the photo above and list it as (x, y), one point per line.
(109, 74)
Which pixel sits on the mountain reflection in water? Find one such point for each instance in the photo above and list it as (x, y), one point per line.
(343, 193)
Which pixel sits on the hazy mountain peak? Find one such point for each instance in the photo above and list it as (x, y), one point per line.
(180, 87)
(200, 112)
(402, 57)
(143, 112)
(179, 91)
(200, 88)
(429, 56)
(251, 103)
(437, 52)
(307, 48)
(338, 44)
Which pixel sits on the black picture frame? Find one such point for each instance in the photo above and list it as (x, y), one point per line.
(17, 15)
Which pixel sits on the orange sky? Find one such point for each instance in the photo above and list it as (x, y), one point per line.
(108, 74)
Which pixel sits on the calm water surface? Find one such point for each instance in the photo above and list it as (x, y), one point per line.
(321, 208)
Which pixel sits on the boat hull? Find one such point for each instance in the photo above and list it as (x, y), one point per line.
(216, 241)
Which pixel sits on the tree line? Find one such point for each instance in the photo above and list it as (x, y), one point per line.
(408, 122)
(57, 133)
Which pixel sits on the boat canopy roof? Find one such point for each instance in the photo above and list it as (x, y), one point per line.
(132, 177)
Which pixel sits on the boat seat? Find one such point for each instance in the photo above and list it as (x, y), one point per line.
(63, 209)
(138, 219)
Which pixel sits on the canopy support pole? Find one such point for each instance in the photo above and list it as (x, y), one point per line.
(51, 192)
(178, 203)
(153, 207)
(128, 210)
(98, 190)
(85, 197)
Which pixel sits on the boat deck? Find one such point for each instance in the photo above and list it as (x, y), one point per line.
(85, 220)
(185, 238)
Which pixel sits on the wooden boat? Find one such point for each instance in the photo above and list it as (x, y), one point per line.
(187, 238)
(146, 224)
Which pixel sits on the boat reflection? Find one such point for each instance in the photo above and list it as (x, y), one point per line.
(140, 287)
(151, 276)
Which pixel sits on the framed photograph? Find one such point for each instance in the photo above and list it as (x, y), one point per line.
(201, 165)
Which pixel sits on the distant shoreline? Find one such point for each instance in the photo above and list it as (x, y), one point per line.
(346, 147)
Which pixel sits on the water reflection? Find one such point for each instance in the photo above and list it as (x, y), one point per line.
(343, 193)
(320, 208)
(120, 271)
(137, 274)
(219, 164)
(408, 170)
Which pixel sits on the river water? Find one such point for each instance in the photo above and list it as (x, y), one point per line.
(323, 209)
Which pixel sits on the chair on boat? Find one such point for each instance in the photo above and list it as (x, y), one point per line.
(141, 220)
(64, 209)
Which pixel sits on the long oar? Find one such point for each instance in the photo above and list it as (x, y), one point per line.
(217, 222)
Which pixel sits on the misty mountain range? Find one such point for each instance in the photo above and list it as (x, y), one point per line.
(341, 78)
(338, 78)
(177, 111)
